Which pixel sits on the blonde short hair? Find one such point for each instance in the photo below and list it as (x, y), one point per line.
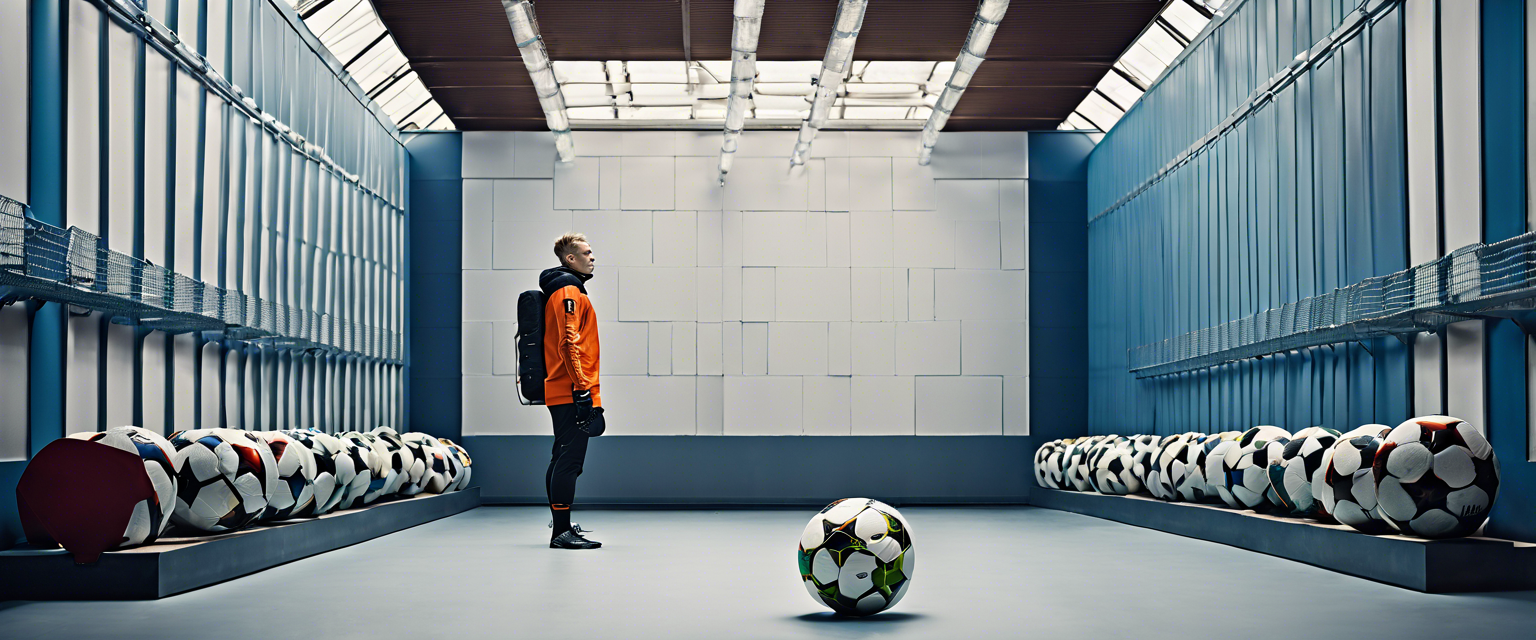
(566, 245)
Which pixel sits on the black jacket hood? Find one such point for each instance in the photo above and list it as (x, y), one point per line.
(552, 280)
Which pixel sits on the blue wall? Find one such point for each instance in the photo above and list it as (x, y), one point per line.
(1304, 195)
(434, 311)
(1058, 276)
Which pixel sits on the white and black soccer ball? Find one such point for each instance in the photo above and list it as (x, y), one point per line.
(411, 469)
(1175, 467)
(1198, 488)
(1077, 463)
(1154, 474)
(326, 493)
(150, 516)
(1112, 474)
(384, 465)
(1143, 457)
(354, 454)
(1247, 466)
(1348, 490)
(1436, 477)
(1188, 471)
(1042, 457)
(1218, 475)
(1300, 466)
(1095, 453)
(295, 490)
(856, 556)
(437, 474)
(226, 481)
(1056, 466)
(461, 457)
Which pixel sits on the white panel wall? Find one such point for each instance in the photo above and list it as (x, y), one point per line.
(861, 295)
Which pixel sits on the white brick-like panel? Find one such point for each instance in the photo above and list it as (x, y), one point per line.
(685, 348)
(488, 154)
(959, 406)
(868, 240)
(657, 293)
(922, 239)
(730, 293)
(981, 154)
(981, 295)
(840, 348)
(711, 293)
(535, 155)
(838, 198)
(491, 408)
(698, 184)
(711, 238)
(1016, 406)
(966, 199)
(977, 244)
(711, 349)
(625, 347)
(989, 348)
(840, 241)
(476, 245)
(528, 243)
(797, 348)
(912, 186)
(660, 349)
(765, 184)
(764, 144)
(492, 295)
(732, 347)
(812, 295)
(731, 223)
(784, 239)
(646, 183)
(598, 143)
(827, 411)
(882, 406)
(874, 348)
(618, 238)
(816, 174)
(757, 294)
(710, 391)
(649, 405)
(919, 294)
(894, 144)
(531, 198)
(865, 296)
(675, 238)
(1013, 210)
(578, 184)
(475, 348)
(754, 348)
(611, 183)
(504, 348)
(762, 405)
(869, 183)
(928, 348)
(648, 143)
(602, 290)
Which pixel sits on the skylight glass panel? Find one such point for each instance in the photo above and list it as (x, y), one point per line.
(657, 71)
(902, 72)
(1185, 18)
(580, 71)
(1099, 111)
(1122, 92)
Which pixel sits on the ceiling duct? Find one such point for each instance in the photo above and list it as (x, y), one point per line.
(525, 28)
(834, 66)
(748, 19)
(988, 14)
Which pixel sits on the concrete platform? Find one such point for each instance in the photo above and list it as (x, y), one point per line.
(1431, 566)
(174, 565)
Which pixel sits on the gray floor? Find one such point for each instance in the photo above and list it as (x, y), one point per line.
(1005, 572)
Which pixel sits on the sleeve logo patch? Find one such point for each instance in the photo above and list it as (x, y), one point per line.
(570, 305)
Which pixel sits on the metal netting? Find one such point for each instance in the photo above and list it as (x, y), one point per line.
(70, 266)
(1492, 280)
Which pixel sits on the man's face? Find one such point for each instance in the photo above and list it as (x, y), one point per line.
(581, 259)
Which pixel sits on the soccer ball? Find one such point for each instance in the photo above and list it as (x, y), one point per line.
(161, 464)
(1436, 477)
(1247, 466)
(1175, 460)
(1056, 466)
(295, 490)
(1348, 489)
(411, 469)
(1300, 466)
(1112, 470)
(1143, 457)
(1042, 458)
(1188, 472)
(1077, 463)
(856, 556)
(437, 474)
(226, 481)
(462, 458)
(1219, 476)
(326, 490)
(352, 454)
(384, 465)
(1096, 452)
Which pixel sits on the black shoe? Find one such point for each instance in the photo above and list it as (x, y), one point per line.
(575, 526)
(573, 540)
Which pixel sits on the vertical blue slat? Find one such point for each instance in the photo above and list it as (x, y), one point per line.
(1389, 209)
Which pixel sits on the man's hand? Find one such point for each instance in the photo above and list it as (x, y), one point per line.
(583, 401)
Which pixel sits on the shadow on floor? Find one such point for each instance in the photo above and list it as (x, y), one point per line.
(880, 619)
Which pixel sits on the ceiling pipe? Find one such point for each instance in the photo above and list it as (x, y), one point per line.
(834, 65)
(988, 14)
(525, 29)
(748, 19)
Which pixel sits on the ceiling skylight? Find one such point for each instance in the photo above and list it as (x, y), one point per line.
(1141, 65)
(353, 33)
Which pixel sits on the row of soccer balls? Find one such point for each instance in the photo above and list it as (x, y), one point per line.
(224, 479)
(1434, 476)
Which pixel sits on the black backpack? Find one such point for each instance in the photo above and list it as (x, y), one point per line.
(530, 347)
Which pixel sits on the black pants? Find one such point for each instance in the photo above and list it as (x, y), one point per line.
(569, 452)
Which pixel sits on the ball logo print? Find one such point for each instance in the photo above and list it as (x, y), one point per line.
(856, 556)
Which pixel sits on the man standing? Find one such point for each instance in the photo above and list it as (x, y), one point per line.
(571, 388)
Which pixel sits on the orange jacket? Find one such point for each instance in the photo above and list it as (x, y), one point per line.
(571, 351)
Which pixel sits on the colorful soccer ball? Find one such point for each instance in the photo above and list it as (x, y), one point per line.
(1436, 477)
(226, 481)
(437, 474)
(295, 490)
(856, 556)
(1248, 466)
(150, 517)
(1348, 489)
(461, 456)
(384, 465)
(1301, 465)
(1042, 456)
(1112, 473)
